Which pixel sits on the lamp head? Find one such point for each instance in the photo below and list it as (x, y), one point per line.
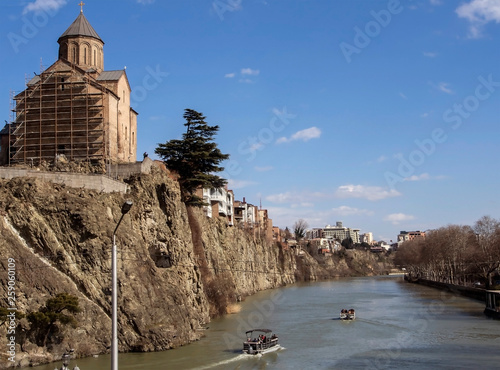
(126, 206)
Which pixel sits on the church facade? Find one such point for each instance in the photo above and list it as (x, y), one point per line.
(74, 109)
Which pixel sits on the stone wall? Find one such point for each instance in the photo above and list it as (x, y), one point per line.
(125, 170)
(100, 183)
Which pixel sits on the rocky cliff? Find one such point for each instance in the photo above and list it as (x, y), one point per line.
(176, 267)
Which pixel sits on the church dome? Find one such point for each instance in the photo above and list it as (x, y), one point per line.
(81, 45)
(80, 27)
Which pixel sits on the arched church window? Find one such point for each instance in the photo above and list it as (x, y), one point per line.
(95, 61)
(84, 55)
(73, 50)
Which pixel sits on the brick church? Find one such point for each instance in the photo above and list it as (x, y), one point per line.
(73, 110)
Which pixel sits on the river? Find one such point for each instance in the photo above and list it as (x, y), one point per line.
(398, 326)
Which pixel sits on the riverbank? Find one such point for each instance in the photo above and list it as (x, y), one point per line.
(474, 293)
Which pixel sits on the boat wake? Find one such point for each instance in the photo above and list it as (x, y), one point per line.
(243, 356)
(225, 362)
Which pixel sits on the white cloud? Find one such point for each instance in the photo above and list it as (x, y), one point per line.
(303, 135)
(445, 87)
(239, 184)
(381, 159)
(286, 197)
(403, 96)
(296, 197)
(250, 72)
(349, 211)
(440, 177)
(479, 13)
(397, 218)
(436, 2)
(263, 169)
(245, 73)
(424, 176)
(256, 146)
(366, 192)
(145, 2)
(302, 205)
(429, 54)
(43, 5)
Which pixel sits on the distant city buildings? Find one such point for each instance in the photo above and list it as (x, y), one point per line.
(220, 202)
(339, 232)
(410, 235)
(314, 233)
(244, 213)
(366, 238)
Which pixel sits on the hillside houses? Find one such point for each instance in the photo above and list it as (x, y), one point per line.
(410, 235)
(220, 202)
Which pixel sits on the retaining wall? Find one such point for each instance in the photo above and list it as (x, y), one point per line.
(474, 293)
(75, 180)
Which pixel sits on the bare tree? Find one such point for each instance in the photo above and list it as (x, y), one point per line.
(299, 228)
(488, 251)
(454, 254)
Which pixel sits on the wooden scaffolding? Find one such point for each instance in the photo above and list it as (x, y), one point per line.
(59, 114)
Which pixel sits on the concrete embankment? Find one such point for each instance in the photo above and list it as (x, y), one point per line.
(474, 293)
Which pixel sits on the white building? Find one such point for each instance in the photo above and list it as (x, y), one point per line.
(329, 243)
(314, 233)
(366, 238)
(219, 202)
(340, 232)
(244, 213)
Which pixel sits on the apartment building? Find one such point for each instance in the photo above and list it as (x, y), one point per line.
(340, 232)
(366, 238)
(220, 202)
(244, 213)
(410, 235)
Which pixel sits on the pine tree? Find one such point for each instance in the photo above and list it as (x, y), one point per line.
(195, 158)
(60, 309)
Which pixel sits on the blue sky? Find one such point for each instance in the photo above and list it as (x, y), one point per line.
(381, 114)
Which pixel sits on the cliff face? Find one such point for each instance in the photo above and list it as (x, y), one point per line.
(176, 268)
(60, 239)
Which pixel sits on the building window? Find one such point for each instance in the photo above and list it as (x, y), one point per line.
(95, 62)
(85, 56)
(74, 54)
(133, 138)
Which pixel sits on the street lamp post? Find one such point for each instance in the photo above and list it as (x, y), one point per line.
(114, 325)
